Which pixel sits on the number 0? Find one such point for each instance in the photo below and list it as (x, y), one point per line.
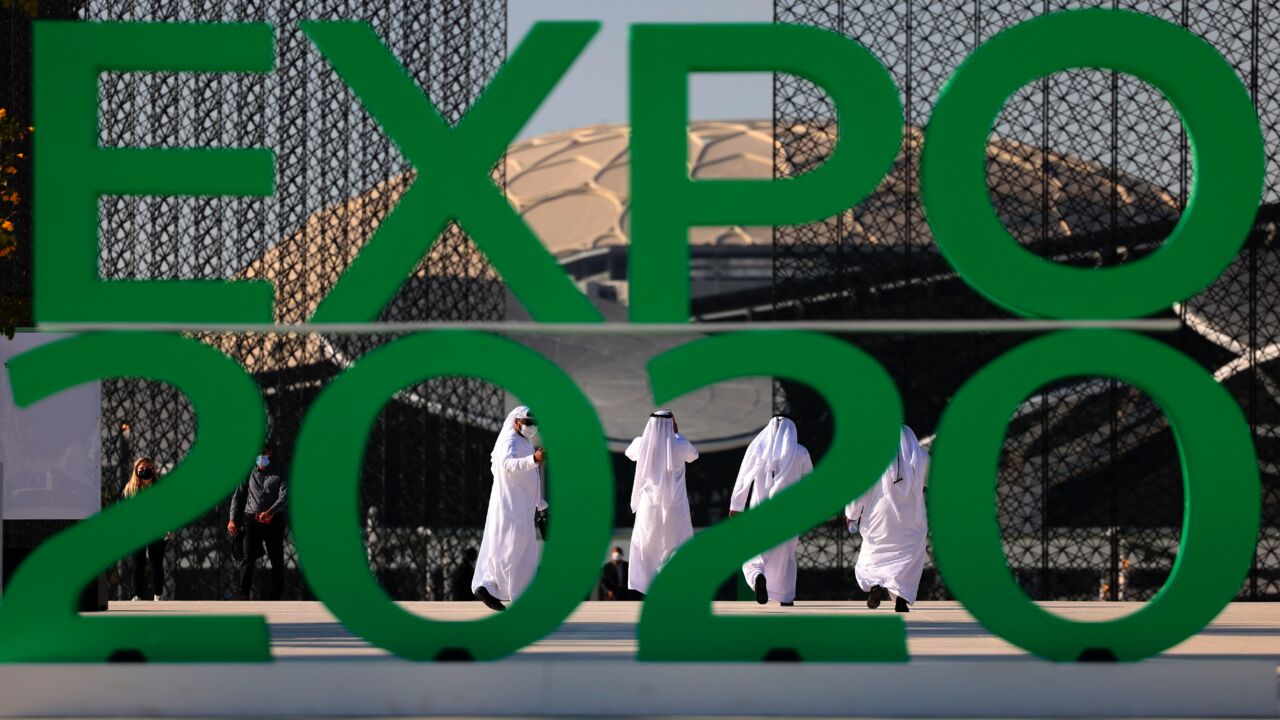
(1219, 480)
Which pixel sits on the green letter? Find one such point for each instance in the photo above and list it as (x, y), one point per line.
(72, 171)
(453, 164)
(665, 203)
(1219, 481)
(1227, 157)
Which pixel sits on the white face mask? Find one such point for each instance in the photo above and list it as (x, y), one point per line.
(528, 431)
(617, 557)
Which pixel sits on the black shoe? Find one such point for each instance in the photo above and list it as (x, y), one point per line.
(901, 606)
(762, 590)
(876, 596)
(787, 604)
(489, 600)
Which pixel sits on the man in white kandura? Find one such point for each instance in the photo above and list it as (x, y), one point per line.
(658, 497)
(774, 462)
(509, 550)
(891, 518)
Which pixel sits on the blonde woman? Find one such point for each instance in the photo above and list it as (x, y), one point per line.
(144, 476)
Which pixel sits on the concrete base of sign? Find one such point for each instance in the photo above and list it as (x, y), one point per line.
(587, 668)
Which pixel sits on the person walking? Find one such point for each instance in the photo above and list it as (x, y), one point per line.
(774, 461)
(151, 555)
(894, 526)
(508, 556)
(658, 497)
(258, 518)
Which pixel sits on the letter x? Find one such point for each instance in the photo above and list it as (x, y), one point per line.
(453, 165)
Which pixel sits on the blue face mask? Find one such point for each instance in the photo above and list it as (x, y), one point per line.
(263, 461)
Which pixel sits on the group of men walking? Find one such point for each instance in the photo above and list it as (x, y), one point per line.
(890, 516)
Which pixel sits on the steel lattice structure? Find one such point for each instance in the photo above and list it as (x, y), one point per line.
(425, 477)
(1087, 167)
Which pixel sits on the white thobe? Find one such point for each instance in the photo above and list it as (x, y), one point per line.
(508, 555)
(778, 565)
(662, 517)
(894, 526)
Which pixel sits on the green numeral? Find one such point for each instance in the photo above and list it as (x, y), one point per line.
(38, 620)
(327, 523)
(1219, 480)
(677, 622)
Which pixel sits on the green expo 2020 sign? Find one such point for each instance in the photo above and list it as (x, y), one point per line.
(38, 622)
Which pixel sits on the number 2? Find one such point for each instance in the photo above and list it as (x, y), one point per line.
(676, 622)
(38, 620)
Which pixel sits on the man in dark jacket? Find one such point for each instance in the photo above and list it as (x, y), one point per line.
(258, 521)
(613, 578)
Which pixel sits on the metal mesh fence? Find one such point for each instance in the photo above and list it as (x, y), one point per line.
(1088, 168)
(425, 475)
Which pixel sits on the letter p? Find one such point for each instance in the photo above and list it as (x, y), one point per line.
(665, 202)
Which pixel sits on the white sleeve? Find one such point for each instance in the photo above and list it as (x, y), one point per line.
(690, 452)
(519, 464)
(540, 503)
(854, 510)
(514, 463)
(742, 487)
(633, 453)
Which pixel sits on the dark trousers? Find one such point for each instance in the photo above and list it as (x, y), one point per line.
(153, 555)
(254, 536)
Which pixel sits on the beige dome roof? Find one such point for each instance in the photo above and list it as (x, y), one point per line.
(574, 187)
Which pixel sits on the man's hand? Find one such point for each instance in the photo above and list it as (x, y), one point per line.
(732, 513)
(540, 520)
(264, 517)
(540, 455)
(612, 596)
(231, 527)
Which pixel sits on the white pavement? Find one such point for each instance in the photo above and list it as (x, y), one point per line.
(957, 670)
(606, 631)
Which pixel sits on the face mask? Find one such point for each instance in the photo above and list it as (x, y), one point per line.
(263, 461)
(528, 431)
(146, 473)
(617, 557)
